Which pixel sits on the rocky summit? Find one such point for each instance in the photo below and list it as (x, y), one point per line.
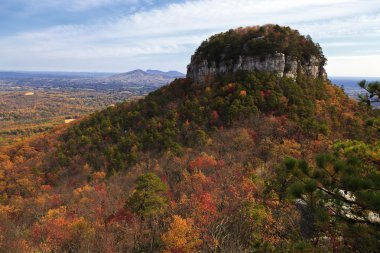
(269, 48)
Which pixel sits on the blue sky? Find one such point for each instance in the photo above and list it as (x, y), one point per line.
(121, 35)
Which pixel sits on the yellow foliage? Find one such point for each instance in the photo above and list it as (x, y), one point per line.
(3, 186)
(25, 184)
(290, 147)
(42, 199)
(55, 213)
(85, 200)
(84, 189)
(81, 228)
(86, 169)
(6, 210)
(243, 139)
(98, 175)
(181, 236)
(293, 146)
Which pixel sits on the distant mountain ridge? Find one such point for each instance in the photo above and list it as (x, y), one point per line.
(150, 77)
(171, 73)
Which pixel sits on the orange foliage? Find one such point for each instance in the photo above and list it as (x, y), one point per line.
(181, 237)
(203, 161)
(243, 93)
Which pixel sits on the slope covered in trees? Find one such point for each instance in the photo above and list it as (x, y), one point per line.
(258, 41)
(251, 162)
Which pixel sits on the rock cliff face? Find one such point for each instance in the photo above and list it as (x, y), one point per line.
(278, 63)
(268, 48)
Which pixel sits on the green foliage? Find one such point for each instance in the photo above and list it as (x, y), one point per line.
(258, 41)
(150, 197)
(184, 114)
(343, 188)
(373, 89)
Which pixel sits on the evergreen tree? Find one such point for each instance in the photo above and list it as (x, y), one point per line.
(150, 196)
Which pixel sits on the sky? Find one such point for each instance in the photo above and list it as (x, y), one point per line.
(122, 35)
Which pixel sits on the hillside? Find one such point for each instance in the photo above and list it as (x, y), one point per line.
(245, 161)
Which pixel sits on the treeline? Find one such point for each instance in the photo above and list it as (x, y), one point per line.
(258, 41)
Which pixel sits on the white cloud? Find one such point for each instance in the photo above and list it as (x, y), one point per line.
(78, 5)
(178, 28)
(358, 65)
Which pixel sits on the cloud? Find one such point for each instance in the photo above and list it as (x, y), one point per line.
(356, 65)
(78, 5)
(177, 29)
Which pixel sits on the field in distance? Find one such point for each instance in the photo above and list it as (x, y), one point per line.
(24, 113)
(34, 102)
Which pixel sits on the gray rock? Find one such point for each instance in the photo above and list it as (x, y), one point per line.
(278, 63)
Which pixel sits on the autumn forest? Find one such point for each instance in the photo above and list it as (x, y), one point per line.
(248, 161)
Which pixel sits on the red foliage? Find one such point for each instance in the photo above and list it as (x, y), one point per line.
(265, 93)
(203, 162)
(253, 134)
(54, 230)
(205, 210)
(214, 117)
(164, 178)
(56, 200)
(46, 187)
(121, 215)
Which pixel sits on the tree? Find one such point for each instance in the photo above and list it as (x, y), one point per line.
(373, 89)
(343, 189)
(181, 236)
(345, 182)
(149, 198)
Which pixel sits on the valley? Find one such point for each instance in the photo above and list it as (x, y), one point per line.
(35, 102)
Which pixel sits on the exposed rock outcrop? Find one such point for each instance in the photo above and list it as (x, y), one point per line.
(242, 49)
(278, 63)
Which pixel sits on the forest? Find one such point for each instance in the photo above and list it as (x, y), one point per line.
(249, 162)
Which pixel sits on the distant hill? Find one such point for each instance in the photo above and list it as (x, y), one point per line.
(22, 75)
(150, 79)
(154, 78)
(171, 73)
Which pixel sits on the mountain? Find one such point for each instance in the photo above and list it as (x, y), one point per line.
(172, 73)
(267, 48)
(136, 81)
(243, 160)
(154, 78)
